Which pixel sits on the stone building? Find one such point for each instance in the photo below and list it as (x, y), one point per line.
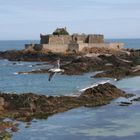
(61, 41)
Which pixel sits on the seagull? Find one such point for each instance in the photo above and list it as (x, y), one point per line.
(53, 71)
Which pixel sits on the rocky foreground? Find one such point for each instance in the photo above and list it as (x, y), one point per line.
(28, 106)
(25, 107)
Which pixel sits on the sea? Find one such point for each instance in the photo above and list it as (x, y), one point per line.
(109, 122)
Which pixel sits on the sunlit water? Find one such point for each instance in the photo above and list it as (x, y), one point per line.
(110, 122)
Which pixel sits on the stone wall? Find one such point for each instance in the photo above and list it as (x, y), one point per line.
(95, 39)
(65, 39)
(73, 46)
(77, 37)
(59, 40)
(55, 48)
(75, 42)
(44, 39)
(115, 46)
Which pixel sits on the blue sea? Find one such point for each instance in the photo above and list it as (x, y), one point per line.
(110, 122)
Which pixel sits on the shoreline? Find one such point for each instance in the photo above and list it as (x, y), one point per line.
(114, 63)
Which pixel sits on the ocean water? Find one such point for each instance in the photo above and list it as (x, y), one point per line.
(110, 122)
(128, 43)
(15, 44)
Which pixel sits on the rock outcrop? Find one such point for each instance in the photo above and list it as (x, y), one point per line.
(28, 106)
(114, 64)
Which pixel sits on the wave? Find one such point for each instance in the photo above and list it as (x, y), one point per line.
(20, 64)
(15, 73)
(94, 85)
(23, 73)
(30, 66)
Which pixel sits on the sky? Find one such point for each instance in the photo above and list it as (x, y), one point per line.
(26, 19)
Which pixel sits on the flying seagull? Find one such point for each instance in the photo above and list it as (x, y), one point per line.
(53, 71)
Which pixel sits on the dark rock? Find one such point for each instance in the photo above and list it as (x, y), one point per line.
(129, 95)
(118, 73)
(122, 62)
(14, 129)
(125, 103)
(136, 99)
(28, 106)
(82, 65)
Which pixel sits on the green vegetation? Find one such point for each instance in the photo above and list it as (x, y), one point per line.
(60, 31)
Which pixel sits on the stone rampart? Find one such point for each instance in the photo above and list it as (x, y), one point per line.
(72, 46)
(115, 46)
(65, 39)
(55, 48)
(59, 40)
(74, 43)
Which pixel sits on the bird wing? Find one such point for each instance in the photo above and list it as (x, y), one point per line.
(51, 75)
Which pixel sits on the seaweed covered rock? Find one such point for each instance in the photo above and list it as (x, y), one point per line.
(29, 106)
(101, 94)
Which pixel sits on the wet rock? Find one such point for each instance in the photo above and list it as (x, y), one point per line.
(14, 129)
(82, 65)
(2, 103)
(118, 73)
(129, 95)
(27, 55)
(123, 62)
(103, 91)
(136, 99)
(125, 103)
(28, 106)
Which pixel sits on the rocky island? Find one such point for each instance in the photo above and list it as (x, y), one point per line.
(79, 54)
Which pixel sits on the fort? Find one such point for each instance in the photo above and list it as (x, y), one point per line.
(60, 41)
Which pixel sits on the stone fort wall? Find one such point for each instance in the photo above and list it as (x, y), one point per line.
(65, 39)
(74, 47)
(79, 47)
(74, 43)
(114, 46)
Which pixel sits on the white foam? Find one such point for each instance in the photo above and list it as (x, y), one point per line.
(30, 66)
(20, 64)
(15, 73)
(94, 85)
(25, 73)
(5, 59)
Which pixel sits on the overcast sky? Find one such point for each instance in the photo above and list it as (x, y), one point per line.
(26, 19)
